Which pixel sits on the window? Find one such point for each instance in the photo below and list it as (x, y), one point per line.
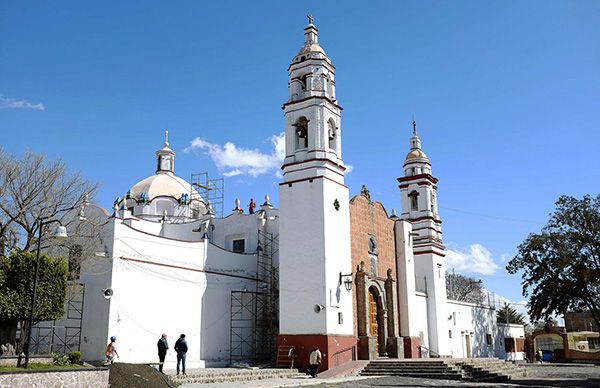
(304, 81)
(372, 245)
(340, 318)
(239, 246)
(414, 200)
(301, 133)
(488, 339)
(449, 333)
(332, 134)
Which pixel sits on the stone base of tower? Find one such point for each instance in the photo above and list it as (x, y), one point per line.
(335, 349)
(412, 347)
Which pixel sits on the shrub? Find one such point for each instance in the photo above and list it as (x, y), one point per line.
(75, 357)
(60, 359)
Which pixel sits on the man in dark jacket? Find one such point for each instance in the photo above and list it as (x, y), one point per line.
(181, 348)
(163, 345)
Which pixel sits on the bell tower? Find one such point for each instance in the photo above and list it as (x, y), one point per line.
(314, 232)
(418, 194)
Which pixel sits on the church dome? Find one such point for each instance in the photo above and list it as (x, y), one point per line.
(311, 48)
(161, 184)
(416, 154)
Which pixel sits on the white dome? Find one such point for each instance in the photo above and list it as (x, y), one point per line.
(162, 184)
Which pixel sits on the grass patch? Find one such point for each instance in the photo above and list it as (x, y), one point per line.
(36, 365)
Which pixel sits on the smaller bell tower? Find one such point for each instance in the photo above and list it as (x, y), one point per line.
(165, 158)
(418, 194)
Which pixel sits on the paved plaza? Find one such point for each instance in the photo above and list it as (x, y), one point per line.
(544, 375)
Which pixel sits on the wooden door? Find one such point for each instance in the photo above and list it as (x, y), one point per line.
(373, 325)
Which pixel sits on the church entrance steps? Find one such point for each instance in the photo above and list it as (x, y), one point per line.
(488, 369)
(472, 369)
(231, 375)
(424, 369)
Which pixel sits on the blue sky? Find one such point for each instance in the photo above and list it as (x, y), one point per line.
(506, 95)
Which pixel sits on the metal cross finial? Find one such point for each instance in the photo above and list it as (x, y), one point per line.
(414, 127)
(310, 19)
(166, 137)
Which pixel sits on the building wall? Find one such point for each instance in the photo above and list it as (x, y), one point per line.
(170, 286)
(580, 322)
(369, 219)
(313, 251)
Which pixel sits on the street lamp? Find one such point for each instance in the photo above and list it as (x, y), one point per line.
(60, 233)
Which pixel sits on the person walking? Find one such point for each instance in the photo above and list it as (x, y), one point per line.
(314, 361)
(251, 206)
(111, 351)
(181, 348)
(163, 346)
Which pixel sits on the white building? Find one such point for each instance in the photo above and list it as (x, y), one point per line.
(310, 273)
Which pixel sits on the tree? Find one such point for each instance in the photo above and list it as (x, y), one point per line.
(32, 188)
(561, 264)
(16, 285)
(463, 288)
(508, 314)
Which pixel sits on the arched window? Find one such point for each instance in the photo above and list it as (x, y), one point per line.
(332, 134)
(414, 200)
(304, 81)
(301, 133)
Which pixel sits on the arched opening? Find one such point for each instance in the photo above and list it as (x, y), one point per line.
(332, 134)
(376, 323)
(301, 133)
(414, 200)
(304, 82)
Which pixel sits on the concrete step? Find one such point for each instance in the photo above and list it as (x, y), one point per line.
(445, 376)
(232, 375)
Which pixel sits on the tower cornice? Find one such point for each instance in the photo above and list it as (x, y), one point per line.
(286, 104)
(411, 178)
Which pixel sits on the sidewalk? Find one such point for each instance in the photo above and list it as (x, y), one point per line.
(340, 374)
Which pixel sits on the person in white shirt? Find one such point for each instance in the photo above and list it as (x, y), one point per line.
(314, 361)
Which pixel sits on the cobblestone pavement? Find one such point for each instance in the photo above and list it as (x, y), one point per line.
(544, 375)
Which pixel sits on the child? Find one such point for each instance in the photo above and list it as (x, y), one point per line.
(111, 351)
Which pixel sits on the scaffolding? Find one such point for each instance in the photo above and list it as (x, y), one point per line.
(255, 314)
(64, 335)
(210, 191)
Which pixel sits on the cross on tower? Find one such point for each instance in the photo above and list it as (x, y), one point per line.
(310, 19)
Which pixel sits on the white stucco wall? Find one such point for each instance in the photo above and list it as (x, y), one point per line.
(509, 331)
(419, 316)
(163, 285)
(470, 324)
(314, 249)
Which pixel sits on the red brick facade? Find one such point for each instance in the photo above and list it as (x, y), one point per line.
(373, 243)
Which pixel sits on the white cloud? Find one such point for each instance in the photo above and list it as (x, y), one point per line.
(349, 168)
(12, 103)
(476, 260)
(232, 160)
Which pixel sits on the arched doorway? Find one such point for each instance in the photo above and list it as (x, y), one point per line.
(375, 323)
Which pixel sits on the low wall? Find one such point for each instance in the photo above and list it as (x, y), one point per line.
(64, 378)
(13, 360)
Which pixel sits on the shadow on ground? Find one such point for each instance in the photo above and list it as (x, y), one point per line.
(136, 376)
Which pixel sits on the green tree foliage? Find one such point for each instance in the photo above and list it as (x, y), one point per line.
(16, 285)
(561, 264)
(508, 314)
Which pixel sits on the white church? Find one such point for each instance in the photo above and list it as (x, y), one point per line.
(323, 269)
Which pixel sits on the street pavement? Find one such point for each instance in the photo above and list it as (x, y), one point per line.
(538, 376)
